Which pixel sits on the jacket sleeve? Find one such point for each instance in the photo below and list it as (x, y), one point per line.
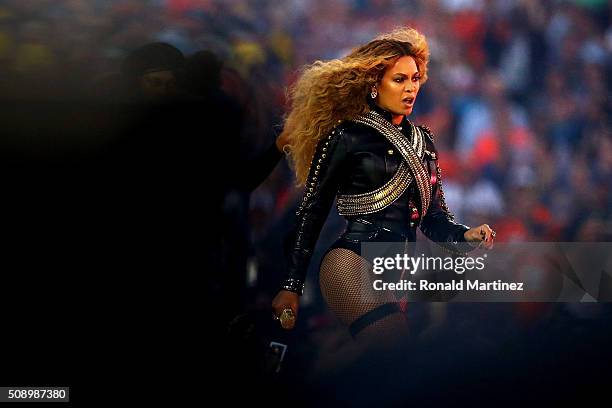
(326, 172)
(439, 223)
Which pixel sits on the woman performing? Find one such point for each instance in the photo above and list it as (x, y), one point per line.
(351, 140)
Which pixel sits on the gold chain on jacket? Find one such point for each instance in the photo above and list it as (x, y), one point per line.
(367, 203)
(411, 167)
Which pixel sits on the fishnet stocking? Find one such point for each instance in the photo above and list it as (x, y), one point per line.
(346, 283)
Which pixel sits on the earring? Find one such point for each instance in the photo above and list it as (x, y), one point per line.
(374, 93)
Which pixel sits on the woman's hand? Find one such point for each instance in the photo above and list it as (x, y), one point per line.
(282, 301)
(481, 234)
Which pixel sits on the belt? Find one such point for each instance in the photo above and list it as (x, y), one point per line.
(362, 225)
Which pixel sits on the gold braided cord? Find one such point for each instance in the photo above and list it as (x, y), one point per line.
(382, 197)
(367, 203)
(395, 137)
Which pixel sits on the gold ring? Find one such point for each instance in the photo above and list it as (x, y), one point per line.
(287, 318)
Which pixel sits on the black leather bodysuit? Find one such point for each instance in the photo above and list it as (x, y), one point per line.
(356, 159)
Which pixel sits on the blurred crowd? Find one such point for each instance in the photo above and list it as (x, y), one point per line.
(518, 96)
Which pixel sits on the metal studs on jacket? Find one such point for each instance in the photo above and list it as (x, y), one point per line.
(313, 180)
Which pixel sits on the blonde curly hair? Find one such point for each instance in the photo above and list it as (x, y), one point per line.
(328, 92)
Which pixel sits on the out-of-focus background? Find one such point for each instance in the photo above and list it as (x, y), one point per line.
(518, 99)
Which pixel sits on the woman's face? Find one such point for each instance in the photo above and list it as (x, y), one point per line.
(399, 86)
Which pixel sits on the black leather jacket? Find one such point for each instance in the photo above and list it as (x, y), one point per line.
(356, 159)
